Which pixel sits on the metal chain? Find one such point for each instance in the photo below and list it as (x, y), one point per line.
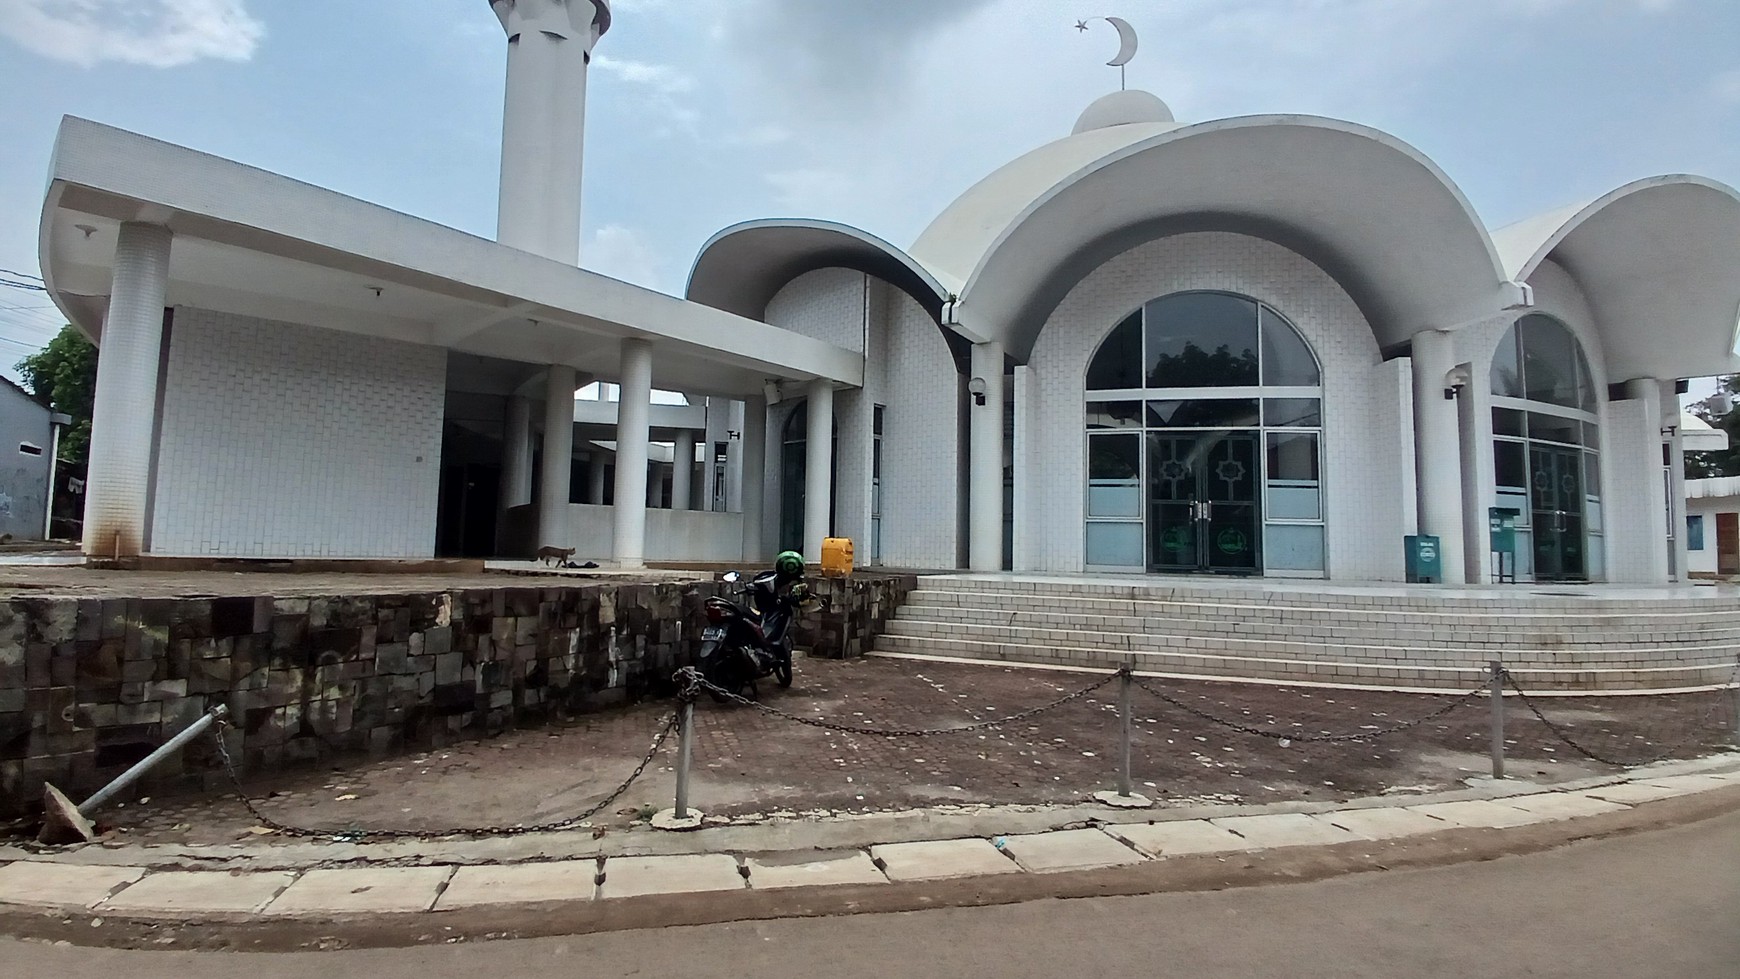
(693, 682)
(1459, 702)
(671, 723)
(1560, 733)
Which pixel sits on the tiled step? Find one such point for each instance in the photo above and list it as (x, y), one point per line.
(1180, 620)
(1286, 669)
(1713, 614)
(1309, 648)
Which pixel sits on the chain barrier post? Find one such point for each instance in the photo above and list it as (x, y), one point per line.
(1126, 686)
(1497, 719)
(685, 737)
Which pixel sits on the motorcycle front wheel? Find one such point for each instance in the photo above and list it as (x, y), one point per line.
(715, 666)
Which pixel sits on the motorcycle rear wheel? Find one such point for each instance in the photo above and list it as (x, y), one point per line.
(782, 669)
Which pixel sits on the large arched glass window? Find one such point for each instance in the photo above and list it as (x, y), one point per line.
(1546, 450)
(1204, 418)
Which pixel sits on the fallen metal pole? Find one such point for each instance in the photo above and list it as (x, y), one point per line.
(64, 822)
(1497, 719)
(685, 733)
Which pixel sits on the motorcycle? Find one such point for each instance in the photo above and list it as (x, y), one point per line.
(746, 641)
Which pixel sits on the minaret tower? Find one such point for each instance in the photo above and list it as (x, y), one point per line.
(543, 138)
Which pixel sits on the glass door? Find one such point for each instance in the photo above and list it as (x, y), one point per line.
(1556, 500)
(1203, 498)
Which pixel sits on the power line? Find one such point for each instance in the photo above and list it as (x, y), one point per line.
(29, 287)
(20, 275)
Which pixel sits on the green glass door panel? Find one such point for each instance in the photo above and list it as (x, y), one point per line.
(1204, 508)
(1556, 502)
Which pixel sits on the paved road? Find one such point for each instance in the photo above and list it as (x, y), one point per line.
(1660, 904)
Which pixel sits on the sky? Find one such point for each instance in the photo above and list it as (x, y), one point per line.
(877, 113)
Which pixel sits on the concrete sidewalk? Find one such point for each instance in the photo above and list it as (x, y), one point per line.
(336, 880)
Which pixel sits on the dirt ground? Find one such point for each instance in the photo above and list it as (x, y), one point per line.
(749, 764)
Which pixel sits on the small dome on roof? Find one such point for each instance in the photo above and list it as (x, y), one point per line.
(1123, 109)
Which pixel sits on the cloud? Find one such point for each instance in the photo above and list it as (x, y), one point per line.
(155, 33)
(623, 253)
(840, 50)
(661, 78)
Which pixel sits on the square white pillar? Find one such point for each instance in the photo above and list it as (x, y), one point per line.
(985, 480)
(819, 469)
(558, 465)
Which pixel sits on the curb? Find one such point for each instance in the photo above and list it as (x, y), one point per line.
(601, 892)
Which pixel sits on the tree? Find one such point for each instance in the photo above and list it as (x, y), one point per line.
(1703, 465)
(64, 374)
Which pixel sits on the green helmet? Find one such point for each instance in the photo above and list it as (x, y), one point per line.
(789, 563)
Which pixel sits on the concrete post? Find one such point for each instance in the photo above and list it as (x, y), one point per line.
(595, 477)
(516, 455)
(683, 471)
(1438, 451)
(558, 465)
(1496, 679)
(751, 453)
(124, 409)
(819, 468)
(985, 486)
(544, 122)
(737, 476)
(633, 427)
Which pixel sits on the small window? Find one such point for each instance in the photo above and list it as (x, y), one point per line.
(30, 448)
(1694, 531)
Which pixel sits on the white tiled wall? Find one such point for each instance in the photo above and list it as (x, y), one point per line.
(911, 373)
(1362, 478)
(282, 440)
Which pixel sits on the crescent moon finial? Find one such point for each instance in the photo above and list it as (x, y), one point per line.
(1127, 34)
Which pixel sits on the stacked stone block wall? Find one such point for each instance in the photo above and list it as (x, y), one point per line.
(89, 687)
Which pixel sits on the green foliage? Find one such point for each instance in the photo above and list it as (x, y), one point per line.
(1703, 465)
(64, 374)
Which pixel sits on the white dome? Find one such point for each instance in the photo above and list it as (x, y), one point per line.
(1123, 109)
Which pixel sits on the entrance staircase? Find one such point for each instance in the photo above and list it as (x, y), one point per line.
(1570, 640)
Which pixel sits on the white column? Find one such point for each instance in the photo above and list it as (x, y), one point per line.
(516, 455)
(818, 468)
(985, 463)
(683, 471)
(558, 464)
(741, 417)
(124, 408)
(595, 478)
(633, 427)
(1438, 451)
(544, 123)
(750, 453)
(1633, 496)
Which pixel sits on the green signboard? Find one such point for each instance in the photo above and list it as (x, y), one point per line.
(1501, 522)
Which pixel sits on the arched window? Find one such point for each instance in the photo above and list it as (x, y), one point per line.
(1546, 450)
(1204, 419)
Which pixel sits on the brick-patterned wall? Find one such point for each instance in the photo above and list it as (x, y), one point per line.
(88, 687)
(1362, 478)
(910, 371)
(281, 440)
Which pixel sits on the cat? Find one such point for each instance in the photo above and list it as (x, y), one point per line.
(562, 555)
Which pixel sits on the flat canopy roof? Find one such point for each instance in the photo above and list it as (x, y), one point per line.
(255, 243)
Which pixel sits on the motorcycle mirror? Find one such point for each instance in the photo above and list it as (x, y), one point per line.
(731, 576)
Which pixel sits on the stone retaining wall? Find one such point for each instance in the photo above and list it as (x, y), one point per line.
(88, 687)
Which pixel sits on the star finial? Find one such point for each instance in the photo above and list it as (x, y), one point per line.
(1081, 25)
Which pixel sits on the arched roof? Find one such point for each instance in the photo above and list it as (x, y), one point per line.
(1372, 211)
(742, 268)
(1659, 260)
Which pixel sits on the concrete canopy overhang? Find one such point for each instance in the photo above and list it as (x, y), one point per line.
(254, 243)
(743, 267)
(1659, 260)
(1370, 210)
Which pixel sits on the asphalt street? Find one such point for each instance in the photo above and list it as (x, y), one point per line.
(1663, 903)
